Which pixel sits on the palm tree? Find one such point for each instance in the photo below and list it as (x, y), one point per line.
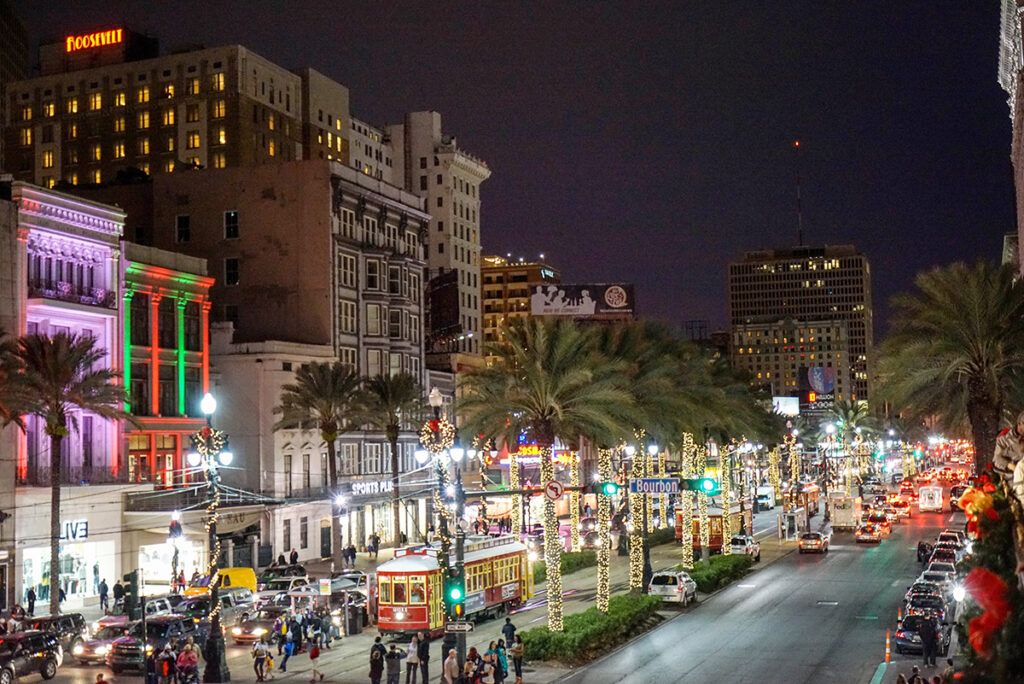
(388, 401)
(956, 349)
(12, 398)
(60, 378)
(325, 394)
(550, 379)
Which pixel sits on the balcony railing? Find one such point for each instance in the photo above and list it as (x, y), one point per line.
(67, 292)
(39, 476)
(193, 496)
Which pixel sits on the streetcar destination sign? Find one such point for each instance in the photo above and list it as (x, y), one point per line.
(454, 627)
(654, 485)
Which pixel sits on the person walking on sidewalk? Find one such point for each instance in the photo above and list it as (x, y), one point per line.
(289, 649)
(424, 656)
(508, 630)
(104, 598)
(30, 599)
(516, 650)
(314, 659)
(412, 661)
(260, 651)
(393, 664)
(293, 557)
(450, 668)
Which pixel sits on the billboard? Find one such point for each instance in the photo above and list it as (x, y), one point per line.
(817, 388)
(583, 301)
(786, 406)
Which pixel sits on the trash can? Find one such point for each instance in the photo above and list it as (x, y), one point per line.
(355, 619)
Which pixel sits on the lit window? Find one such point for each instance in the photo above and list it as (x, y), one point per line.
(143, 145)
(144, 167)
(119, 98)
(97, 177)
(192, 86)
(330, 139)
(119, 124)
(142, 120)
(119, 150)
(194, 161)
(219, 109)
(222, 135)
(270, 148)
(26, 113)
(217, 81)
(169, 166)
(169, 91)
(219, 160)
(95, 153)
(48, 159)
(71, 105)
(48, 109)
(167, 117)
(95, 101)
(73, 178)
(192, 113)
(193, 140)
(143, 95)
(49, 182)
(170, 143)
(72, 131)
(270, 122)
(25, 136)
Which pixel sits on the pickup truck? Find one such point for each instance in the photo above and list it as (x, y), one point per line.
(130, 651)
(746, 544)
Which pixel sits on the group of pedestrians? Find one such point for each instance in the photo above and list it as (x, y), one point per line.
(293, 558)
(416, 656)
(948, 675)
(174, 665)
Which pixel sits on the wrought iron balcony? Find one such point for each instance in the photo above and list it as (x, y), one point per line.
(67, 292)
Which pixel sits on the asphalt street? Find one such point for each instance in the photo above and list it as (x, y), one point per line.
(804, 618)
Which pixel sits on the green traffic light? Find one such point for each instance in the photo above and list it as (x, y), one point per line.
(455, 593)
(609, 488)
(707, 484)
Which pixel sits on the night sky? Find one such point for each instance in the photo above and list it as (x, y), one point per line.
(652, 141)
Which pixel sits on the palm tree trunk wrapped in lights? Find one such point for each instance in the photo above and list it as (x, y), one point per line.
(663, 498)
(726, 485)
(574, 500)
(604, 523)
(699, 466)
(774, 476)
(636, 535)
(517, 499)
(794, 462)
(552, 543)
(685, 502)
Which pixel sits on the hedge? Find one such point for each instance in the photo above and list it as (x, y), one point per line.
(662, 535)
(591, 633)
(721, 570)
(571, 562)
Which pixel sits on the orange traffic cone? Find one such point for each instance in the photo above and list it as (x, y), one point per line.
(888, 653)
(899, 613)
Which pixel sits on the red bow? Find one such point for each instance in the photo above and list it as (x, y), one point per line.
(989, 591)
(435, 425)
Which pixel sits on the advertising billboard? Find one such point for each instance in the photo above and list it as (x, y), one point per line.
(786, 406)
(582, 301)
(817, 388)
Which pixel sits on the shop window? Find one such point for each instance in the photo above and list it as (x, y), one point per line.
(138, 458)
(138, 393)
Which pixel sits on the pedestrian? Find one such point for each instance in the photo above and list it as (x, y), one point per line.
(61, 596)
(915, 676)
(949, 674)
(450, 668)
(281, 560)
(30, 599)
(188, 664)
(100, 679)
(376, 666)
(293, 557)
(901, 678)
(314, 660)
(289, 649)
(937, 679)
(393, 664)
(517, 650)
(280, 632)
(412, 660)
(508, 630)
(118, 591)
(502, 663)
(470, 669)
(928, 639)
(166, 665)
(424, 655)
(104, 598)
(260, 651)
(378, 647)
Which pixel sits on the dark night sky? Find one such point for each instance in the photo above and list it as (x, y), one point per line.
(652, 141)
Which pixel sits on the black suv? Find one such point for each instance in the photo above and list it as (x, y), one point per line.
(26, 653)
(128, 652)
(69, 628)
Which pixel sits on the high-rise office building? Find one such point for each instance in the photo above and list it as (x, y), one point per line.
(506, 291)
(783, 294)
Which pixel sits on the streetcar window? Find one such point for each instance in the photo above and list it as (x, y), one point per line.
(385, 589)
(398, 584)
(417, 590)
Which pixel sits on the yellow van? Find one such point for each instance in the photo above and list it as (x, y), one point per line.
(228, 578)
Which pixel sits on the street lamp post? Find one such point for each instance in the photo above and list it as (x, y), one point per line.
(210, 450)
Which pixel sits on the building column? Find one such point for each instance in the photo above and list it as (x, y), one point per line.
(154, 353)
(204, 318)
(181, 354)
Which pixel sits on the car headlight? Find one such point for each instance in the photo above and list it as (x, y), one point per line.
(102, 650)
(96, 626)
(259, 631)
(236, 631)
(149, 648)
(78, 650)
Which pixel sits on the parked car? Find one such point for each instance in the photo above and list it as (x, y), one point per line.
(227, 578)
(95, 649)
(868, 533)
(920, 588)
(948, 569)
(677, 587)
(275, 586)
(130, 651)
(927, 604)
(746, 544)
(257, 625)
(233, 604)
(591, 540)
(69, 628)
(815, 542)
(588, 523)
(359, 578)
(276, 571)
(118, 615)
(908, 639)
(26, 653)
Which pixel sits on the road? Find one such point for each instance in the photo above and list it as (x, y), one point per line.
(804, 618)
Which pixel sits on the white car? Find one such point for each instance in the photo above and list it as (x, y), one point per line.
(947, 569)
(746, 544)
(677, 587)
(277, 586)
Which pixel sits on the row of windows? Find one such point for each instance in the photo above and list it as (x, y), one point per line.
(167, 322)
(370, 231)
(403, 591)
(140, 384)
(395, 323)
(142, 119)
(93, 102)
(183, 226)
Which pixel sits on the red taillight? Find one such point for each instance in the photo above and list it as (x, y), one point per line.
(901, 635)
(679, 588)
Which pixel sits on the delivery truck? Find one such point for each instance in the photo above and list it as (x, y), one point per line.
(929, 499)
(766, 498)
(844, 511)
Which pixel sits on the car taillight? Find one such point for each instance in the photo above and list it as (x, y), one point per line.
(679, 588)
(901, 634)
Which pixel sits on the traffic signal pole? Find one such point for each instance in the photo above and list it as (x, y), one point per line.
(460, 553)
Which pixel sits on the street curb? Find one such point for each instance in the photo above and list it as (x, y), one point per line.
(700, 603)
(879, 673)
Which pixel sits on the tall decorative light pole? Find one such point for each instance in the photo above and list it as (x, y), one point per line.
(830, 430)
(210, 450)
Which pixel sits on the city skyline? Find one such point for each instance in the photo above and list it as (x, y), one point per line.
(689, 146)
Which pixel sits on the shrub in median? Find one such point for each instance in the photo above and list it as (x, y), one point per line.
(591, 633)
(571, 562)
(662, 535)
(721, 570)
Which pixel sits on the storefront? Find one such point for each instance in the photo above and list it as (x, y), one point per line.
(371, 510)
(83, 564)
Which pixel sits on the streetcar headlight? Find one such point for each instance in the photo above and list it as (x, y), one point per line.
(532, 556)
(400, 615)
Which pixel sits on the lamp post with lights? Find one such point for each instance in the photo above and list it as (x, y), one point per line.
(210, 450)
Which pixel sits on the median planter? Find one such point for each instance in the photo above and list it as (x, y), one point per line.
(591, 634)
(662, 535)
(719, 571)
(570, 563)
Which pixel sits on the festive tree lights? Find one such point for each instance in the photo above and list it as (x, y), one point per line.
(604, 523)
(636, 532)
(725, 468)
(685, 503)
(517, 499)
(700, 464)
(774, 476)
(552, 544)
(574, 500)
(794, 461)
(663, 498)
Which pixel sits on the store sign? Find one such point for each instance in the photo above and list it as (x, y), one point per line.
(94, 40)
(73, 530)
(529, 454)
(375, 487)
(581, 301)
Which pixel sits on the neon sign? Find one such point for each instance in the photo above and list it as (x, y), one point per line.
(94, 40)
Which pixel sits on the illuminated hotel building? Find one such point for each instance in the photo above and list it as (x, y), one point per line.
(506, 293)
(826, 289)
(67, 269)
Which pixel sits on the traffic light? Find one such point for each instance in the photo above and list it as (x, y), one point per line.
(175, 530)
(131, 595)
(455, 592)
(606, 488)
(704, 485)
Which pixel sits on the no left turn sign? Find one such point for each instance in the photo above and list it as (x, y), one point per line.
(553, 490)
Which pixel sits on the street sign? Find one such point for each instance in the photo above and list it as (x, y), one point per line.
(553, 490)
(456, 627)
(654, 485)
(325, 587)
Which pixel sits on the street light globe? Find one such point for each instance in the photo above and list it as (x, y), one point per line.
(652, 449)
(457, 453)
(795, 432)
(959, 593)
(339, 500)
(225, 457)
(208, 405)
(194, 458)
(830, 429)
(471, 453)
(891, 432)
(630, 450)
(434, 398)
(422, 455)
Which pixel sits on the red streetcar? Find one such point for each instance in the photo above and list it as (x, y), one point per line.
(410, 594)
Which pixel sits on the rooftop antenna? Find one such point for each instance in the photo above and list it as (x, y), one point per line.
(799, 203)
